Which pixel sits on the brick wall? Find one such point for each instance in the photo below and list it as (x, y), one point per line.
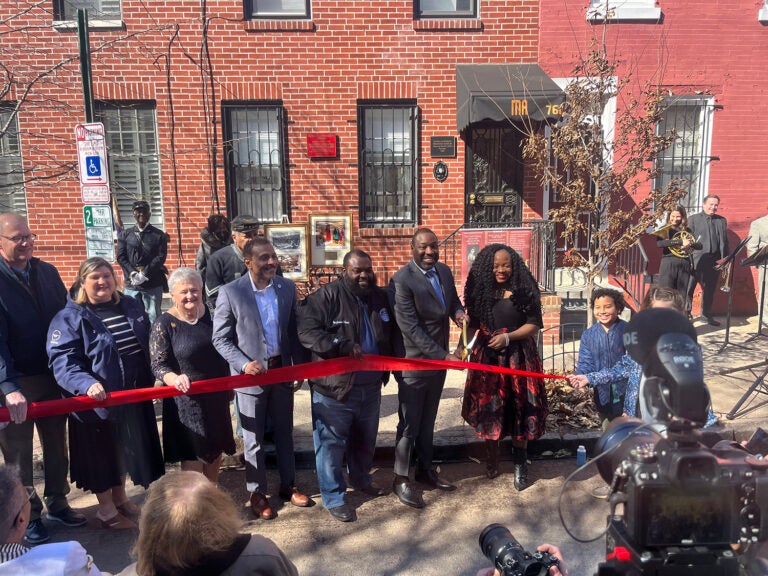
(350, 50)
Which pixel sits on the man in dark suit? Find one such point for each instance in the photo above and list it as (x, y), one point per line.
(710, 230)
(425, 299)
(254, 329)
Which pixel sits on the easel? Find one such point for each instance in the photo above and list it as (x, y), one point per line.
(722, 265)
(758, 386)
(759, 260)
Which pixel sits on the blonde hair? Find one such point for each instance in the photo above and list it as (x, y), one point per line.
(185, 518)
(86, 268)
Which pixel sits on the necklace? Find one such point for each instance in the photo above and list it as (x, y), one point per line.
(181, 317)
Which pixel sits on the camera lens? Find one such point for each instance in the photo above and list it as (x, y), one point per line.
(506, 553)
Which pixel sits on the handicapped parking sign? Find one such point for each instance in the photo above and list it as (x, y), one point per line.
(92, 154)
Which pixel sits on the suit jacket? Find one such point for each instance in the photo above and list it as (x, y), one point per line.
(420, 315)
(758, 232)
(698, 225)
(237, 329)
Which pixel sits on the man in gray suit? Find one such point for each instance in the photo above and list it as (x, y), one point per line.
(710, 230)
(254, 329)
(758, 238)
(425, 299)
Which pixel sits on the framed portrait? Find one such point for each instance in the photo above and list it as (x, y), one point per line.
(292, 249)
(330, 238)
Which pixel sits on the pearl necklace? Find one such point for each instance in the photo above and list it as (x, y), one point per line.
(180, 316)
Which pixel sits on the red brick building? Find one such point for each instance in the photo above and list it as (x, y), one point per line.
(210, 105)
(708, 56)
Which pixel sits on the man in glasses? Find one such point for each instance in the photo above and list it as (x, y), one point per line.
(31, 293)
(141, 252)
(17, 558)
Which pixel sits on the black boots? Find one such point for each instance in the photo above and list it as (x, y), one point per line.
(491, 458)
(520, 458)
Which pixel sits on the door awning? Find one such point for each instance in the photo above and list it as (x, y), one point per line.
(511, 92)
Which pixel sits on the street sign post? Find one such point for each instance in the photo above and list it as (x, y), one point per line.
(98, 231)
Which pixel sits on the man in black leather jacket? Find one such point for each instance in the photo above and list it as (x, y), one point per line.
(348, 317)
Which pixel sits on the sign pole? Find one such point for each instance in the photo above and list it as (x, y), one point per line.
(85, 62)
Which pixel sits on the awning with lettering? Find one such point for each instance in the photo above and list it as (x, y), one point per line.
(511, 92)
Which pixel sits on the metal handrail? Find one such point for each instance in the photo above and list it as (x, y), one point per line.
(631, 272)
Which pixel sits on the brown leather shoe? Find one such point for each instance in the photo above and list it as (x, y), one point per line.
(260, 506)
(295, 497)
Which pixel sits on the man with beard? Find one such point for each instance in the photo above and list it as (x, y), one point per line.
(348, 317)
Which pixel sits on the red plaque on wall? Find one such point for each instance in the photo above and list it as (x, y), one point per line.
(321, 145)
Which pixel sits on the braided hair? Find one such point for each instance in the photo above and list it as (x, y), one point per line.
(480, 288)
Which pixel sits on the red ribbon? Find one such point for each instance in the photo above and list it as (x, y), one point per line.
(287, 374)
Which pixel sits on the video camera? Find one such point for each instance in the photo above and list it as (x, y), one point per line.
(676, 504)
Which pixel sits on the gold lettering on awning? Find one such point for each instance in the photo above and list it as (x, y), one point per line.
(519, 108)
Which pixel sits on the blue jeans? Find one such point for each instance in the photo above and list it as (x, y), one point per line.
(345, 428)
(151, 299)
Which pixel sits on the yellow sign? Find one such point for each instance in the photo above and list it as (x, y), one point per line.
(519, 108)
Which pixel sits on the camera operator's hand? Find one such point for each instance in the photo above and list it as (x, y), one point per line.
(555, 551)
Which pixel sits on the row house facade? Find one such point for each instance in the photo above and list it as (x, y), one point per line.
(707, 57)
(397, 113)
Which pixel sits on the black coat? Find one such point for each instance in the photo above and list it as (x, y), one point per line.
(330, 324)
(147, 249)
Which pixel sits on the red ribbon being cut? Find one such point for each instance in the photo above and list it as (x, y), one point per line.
(287, 374)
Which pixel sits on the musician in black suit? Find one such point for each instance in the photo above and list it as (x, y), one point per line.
(710, 229)
(425, 299)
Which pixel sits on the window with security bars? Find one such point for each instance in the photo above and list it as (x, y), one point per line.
(690, 119)
(12, 194)
(255, 160)
(134, 161)
(446, 8)
(97, 9)
(256, 9)
(388, 163)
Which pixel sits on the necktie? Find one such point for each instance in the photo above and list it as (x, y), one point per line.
(435, 281)
(711, 234)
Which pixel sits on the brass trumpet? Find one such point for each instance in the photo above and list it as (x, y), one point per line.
(725, 267)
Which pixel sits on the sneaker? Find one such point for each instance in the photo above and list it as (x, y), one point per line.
(68, 517)
(36, 532)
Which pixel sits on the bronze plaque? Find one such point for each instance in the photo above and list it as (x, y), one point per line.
(494, 198)
(442, 146)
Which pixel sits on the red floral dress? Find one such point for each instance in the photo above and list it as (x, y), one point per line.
(498, 405)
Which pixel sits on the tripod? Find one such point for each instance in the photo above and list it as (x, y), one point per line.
(759, 260)
(758, 387)
(726, 264)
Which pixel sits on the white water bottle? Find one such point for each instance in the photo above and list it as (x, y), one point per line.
(581, 455)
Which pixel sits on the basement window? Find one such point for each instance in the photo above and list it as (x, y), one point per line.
(101, 13)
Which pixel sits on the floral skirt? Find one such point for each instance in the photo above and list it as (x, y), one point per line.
(500, 405)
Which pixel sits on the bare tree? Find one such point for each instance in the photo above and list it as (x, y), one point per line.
(604, 184)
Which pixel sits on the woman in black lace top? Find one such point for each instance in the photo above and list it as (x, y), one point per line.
(197, 428)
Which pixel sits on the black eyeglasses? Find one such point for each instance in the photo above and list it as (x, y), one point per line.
(20, 238)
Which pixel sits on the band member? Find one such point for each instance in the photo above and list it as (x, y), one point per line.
(758, 238)
(710, 229)
(677, 244)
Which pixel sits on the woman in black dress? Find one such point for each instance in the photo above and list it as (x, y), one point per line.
(503, 302)
(676, 265)
(196, 428)
(99, 344)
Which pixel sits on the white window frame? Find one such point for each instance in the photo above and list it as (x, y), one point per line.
(144, 163)
(279, 14)
(94, 21)
(472, 12)
(707, 105)
(10, 147)
(762, 15)
(618, 10)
